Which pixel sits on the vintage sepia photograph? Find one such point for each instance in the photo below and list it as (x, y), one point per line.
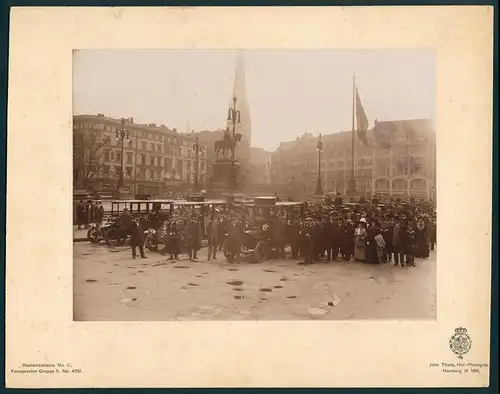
(254, 185)
(207, 190)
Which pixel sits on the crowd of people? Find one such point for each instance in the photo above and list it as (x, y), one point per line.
(88, 212)
(333, 238)
(366, 231)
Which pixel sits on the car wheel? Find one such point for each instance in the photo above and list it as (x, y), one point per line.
(93, 236)
(151, 244)
(110, 238)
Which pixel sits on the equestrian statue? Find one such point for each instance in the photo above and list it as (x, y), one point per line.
(227, 143)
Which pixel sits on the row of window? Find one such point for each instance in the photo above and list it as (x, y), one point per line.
(330, 155)
(380, 184)
(401, 184)
(400, 167)
(363, 172)
(128, 171)
(135, 133)
(143, 159)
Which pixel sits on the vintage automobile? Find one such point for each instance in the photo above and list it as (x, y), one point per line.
(97, 231)
(260, 217)
(142, 207)
(181, 211)
(155, 238)
(152, 211)
(112, 235)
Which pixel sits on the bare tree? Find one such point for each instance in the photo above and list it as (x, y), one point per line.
(87, 157)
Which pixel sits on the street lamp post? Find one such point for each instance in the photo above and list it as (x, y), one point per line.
(319, 147)
(196, 148)
(235, 117)
(121, 135)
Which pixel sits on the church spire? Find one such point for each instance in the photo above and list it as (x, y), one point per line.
(239, 91)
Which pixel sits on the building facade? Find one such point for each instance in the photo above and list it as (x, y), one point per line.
(157, 160)
(399, 161)
(260, 166)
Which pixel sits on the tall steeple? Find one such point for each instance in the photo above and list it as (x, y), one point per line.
(239, 91)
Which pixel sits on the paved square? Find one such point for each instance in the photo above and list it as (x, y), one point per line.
(110, 285)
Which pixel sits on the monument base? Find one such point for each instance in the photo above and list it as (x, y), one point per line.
(222, 190)
(224, 179)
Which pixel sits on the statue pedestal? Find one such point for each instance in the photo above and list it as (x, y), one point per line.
(225, 178)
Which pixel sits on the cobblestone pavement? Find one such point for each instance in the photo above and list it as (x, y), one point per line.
(110, 285)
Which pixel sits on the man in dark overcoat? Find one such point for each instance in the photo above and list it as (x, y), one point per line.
(137, 238)
(193, 241)
(213, 238)
(328, 237)
(338, 201)
(317, 239)
(80, 215)
(235, 237)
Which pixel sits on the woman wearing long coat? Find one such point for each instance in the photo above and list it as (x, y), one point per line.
(432, 234)
(422, 243)
(371, 244)
(360, 242)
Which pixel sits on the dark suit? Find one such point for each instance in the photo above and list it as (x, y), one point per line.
(193, 239)
(388, 235)
(235, 238)
(347, 243)
(137, 239)
(213, 238)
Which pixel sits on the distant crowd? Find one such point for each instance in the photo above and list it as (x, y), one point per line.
(88, 212)
(366, 231)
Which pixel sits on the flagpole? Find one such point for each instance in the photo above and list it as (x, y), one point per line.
(352, 185)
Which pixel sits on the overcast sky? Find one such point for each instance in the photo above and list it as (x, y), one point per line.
(289, 91)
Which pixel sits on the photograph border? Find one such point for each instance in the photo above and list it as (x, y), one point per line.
(494, 272)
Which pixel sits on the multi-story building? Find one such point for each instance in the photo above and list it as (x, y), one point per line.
(398, 161)
(260, 166)
(157, 160)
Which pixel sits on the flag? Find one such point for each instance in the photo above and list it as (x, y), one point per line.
(362, 120)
